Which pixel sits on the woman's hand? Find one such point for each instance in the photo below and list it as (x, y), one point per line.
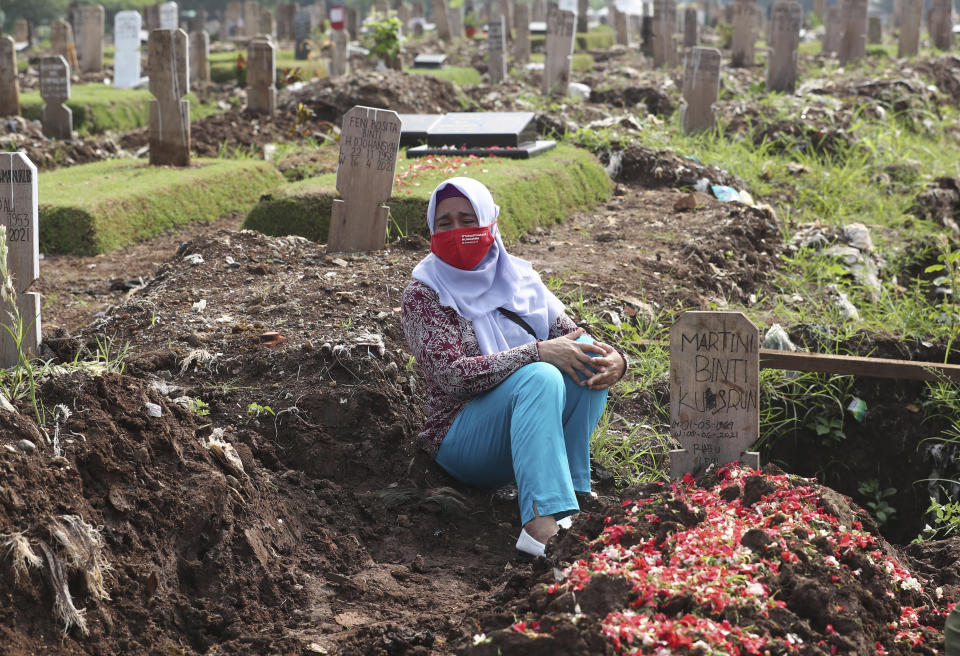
(571, 356)
(610, 367)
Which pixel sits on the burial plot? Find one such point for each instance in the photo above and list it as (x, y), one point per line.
(875, 30)
(90, 20)
(832, 32)
(853, 23)
(714, 390)
(911, 16)
(744, 35)
(9, 78)
(786, 19)
(690, 35)
(199, 57)
(940, 24)
(440, 19)
(56, 118)
(664, 28)
(126, 38)
(169, 82)
(560, 38)
(339, 60)
(261, 76)
(251, 18)
(701, 84)
(521, 44)
(18, 210)
(169, 16)
(21, 31)
(496, 50)
(61, 42)
(301, 35)
(369, 142)
(504, 134)
(414, 127)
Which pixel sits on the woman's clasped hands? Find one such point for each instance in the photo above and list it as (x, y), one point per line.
(598, 371)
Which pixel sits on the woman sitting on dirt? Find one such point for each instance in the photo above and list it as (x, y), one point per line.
(514, 388)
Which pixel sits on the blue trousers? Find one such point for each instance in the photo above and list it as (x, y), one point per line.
(533, 428)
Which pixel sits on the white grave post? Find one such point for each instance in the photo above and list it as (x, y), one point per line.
(714, 390)
(199, 57)
(497, 50)
(369, 141)
(91, 20)
(701, 85)
(853, 25)
(911, 16)
(664, 28)
(9, 78)
(744, 35)
(169, 16)
(261, 76)
(521, 44)
(18, 211)
(56, 118)
(561, 34)
(126, 37)
(169, 82)
(785, 23)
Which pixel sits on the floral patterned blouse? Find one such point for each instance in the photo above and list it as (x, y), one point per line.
(455, 371)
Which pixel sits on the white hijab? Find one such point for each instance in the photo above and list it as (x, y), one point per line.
(500, 280)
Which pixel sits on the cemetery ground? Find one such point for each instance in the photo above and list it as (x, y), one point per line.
(277, 504)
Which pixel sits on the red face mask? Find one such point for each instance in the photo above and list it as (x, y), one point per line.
(463, 248)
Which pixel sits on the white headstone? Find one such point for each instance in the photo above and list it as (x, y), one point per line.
(126, 37)
(56, 118)
(714, 390)
(369, 142)
(561, 34)
(18, 211)
(169, 16)
(497, 50)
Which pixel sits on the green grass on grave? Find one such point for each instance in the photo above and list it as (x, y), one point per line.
(579, 61)
(542, 190)
(95, 208)
(223, 65)
(597, 38)
(459, 75)
(100, 107)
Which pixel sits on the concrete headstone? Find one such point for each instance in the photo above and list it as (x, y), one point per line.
(664, 29)
(126, 38)
(199, 57)
(911, 16)
(853, 38)
(339, 60)
(169, 16)
(440, 19)
(56, 117)
(497, 50)
(19, 212)
(169, 70)
(714, 390)
(786, 19)
(521, 44)
(561, 26)
(701, 85)
(251, 18)
(9, 78)
(691, 36)
(261, 76)
(91, 21)
(744, 34)
(940, 24)
(369, 142)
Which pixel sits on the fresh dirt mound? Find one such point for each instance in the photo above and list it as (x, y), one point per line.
(18, 133)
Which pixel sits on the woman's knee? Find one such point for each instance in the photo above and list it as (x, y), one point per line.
(539, 376)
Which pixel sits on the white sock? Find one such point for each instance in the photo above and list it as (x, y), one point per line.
(566, 522)
(528, 545)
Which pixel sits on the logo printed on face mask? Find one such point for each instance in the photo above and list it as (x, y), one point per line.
(463, 248)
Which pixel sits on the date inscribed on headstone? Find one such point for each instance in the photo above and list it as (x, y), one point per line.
(714, 389)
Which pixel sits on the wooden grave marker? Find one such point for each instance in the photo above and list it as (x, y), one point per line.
(832, 32)
(620, 26)
(664, 28)
(169, 83)
(561, 27)
(261, 76)
(714, 390)
(301, 35)
(454, 18)
(267, 22)
(9, 78)
(339, 63)
(369, 142)
(251, 18)
(233, 20)
(286, 13)
(820, 9)
(55, 117)
(18, 211)
(940, 24)
(521, 44)
(911, 17)
(21, 31)
(126, 38)
(199, 57)
(505, 9)
(691, 36)
(497, 50)
(701, 85)
(874, 30)
(61, 42)
(583, 6)
(440, 19)
(853, 26)
(786, 19)
(743, 50)
(169, 16)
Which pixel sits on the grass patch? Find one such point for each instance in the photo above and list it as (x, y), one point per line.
(99, 107)
(599, 37)
(540, 191)
(459, 75)
(579, 61)
(95, 208)
(223, 65)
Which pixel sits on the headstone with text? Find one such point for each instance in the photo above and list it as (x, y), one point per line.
(714, 390)
(875, 30)
(199, 57)
(261, 76)
(911, 17)
(853, 25)
(691, 36)
(126, 38)
(744, 34)
(369, 142)
(251, 18)
(21, 31)
(701, 85)
(440, 19)
(169, 16)
(91, 21)
(301, 35)
(561, 26)
(786, 19)
(497, 50)
(19, 213)
(940, 24)
(338, 58)
(9, 78)
(55, 117)
(521, 44)
(832, 32)
(664, 29)
(169, 113)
